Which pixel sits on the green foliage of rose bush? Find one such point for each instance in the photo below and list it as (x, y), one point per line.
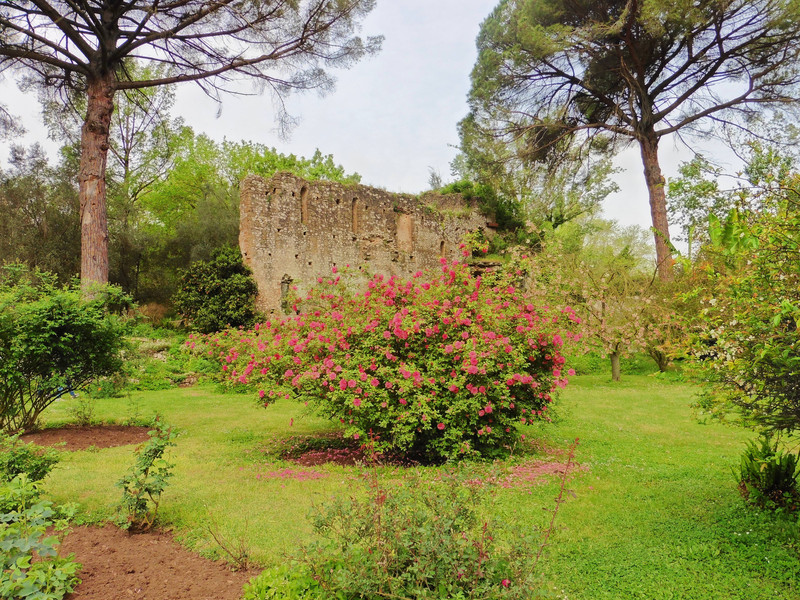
(441, 366)
(417, 537)
(53, 340)
(17, 457)
(422, 539)
(147, 479)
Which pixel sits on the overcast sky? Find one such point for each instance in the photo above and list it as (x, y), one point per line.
(392, 116)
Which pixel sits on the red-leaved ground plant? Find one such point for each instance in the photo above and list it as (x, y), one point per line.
(442, 366)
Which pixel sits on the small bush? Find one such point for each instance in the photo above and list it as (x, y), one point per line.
(768, 477)
(53, 340)
(82, 410)
(217, 294)
(284, 583)
(422, 539)
(147, 479)
(27, 534)
(19, 458)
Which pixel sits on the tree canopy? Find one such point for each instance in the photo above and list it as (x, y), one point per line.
(632, 70)
(85, 46)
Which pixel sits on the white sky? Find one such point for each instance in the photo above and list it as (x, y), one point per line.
(391, 117)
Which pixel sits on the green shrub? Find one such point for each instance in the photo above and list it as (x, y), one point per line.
(217, 294)
(19, 458)
(284, 583)
(507, 211)
(423, 540)
(27, 533)
(53, 340)
(768, 477)
(143, 485)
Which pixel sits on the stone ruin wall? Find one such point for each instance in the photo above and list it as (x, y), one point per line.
(292, 229)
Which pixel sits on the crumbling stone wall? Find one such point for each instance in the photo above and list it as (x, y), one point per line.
(293, 231)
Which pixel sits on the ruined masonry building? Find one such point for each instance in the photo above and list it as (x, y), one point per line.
(293, 231)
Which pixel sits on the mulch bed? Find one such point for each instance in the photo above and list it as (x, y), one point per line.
(144, 566)
(151, 566)
(73, 437)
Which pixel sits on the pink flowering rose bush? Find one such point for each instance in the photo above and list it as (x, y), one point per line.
(442, 366)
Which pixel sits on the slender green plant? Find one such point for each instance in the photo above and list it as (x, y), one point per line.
(143, 485)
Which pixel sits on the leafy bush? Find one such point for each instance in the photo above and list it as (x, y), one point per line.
(18, 458)
(441, 368)
(417, 538)
(24, 536)
(748, 295)
(53, 340)
(768, 477)
(284, 583)
(507, 211)
(143, 485)
(219, 293)
(422, 539)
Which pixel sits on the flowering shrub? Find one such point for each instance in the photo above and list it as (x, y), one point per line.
(442, 367)
(748, 293)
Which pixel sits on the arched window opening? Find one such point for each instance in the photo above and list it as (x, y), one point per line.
(304, 206)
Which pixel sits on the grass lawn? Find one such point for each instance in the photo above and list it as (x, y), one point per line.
(655, 512)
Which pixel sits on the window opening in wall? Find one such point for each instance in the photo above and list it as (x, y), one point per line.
(286, 281)
(355, 215)
(441, 248)
(304, 206)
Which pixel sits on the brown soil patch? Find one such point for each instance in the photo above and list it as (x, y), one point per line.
(148, 566)
(338, 456)
(81, 438)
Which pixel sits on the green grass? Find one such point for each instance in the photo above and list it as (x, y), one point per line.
(655, 512)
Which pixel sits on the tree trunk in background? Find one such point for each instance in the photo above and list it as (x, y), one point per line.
(615, 370)
(92, 179)
(658, 205)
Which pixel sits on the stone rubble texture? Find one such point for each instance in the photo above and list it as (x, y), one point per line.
(293, 231)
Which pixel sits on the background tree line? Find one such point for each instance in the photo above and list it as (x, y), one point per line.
(173, 194)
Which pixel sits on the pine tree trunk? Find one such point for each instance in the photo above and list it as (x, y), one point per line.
(658, 205)
(92, 179)
(615, 370)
